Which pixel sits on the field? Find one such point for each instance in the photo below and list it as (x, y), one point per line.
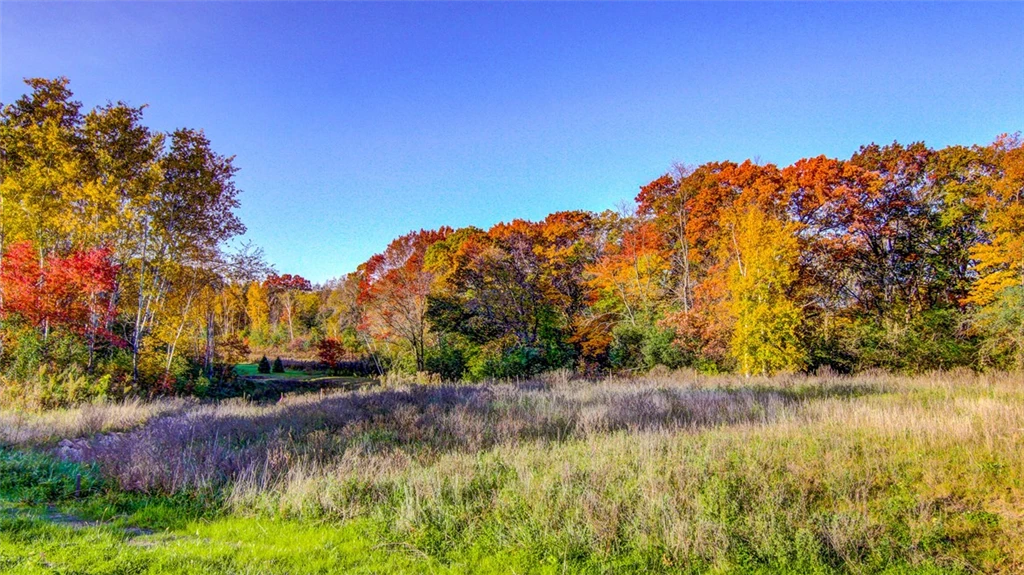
(674, 473)
(252, 370)
(250, 384)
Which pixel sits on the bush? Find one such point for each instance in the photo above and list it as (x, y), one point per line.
(446, 360)
(50, 388)
(330, 352)
(232, 349)
(278, 366)
(1001, 325)
(263, 366)
(929, 340)
(643, 347)
(201, 386)
(493, 362)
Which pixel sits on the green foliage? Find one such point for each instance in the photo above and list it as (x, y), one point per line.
(643, 347)
(352, 342)
(50, 372)
(447, 359)
(930, 340)
(496, 362)
(1001, 325)
(201, 386)
(49, 388)
(34, 478)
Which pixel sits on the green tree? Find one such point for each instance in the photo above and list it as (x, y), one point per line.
(263, 366)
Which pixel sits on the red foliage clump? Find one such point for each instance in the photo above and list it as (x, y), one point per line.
(73, 291)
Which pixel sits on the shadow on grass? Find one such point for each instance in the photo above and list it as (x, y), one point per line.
(37, 487)
(211, 445)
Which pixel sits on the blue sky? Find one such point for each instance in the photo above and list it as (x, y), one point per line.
(353, 123)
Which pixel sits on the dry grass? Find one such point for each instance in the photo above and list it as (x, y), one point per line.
(206, 446)
(32, 428)
(825, 474)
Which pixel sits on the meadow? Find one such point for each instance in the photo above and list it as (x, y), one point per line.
(672, 472)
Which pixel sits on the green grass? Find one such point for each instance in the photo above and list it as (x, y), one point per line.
(45, 528)
(272, 386)
(226, 545)
(252, 370)
(196, 535)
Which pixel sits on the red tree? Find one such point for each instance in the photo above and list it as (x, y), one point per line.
(394, 290)
(287, 282)
(72, 292)
(331, 352)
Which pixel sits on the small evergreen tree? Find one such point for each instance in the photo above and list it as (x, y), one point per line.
(278, 366)
(264, 365)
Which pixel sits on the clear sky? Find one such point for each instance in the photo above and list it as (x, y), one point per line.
(353, 123)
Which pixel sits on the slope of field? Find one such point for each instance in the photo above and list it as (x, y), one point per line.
(672, 473)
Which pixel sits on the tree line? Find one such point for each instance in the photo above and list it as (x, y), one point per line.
(901, 258)
(116, 276)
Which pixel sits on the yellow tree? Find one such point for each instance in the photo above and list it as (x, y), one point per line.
(340, 307)
(1000, 260)
(257, 308)
(998, 292)
(763, 251)
(41, 166)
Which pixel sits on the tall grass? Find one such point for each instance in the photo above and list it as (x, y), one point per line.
(36, 428)
(673, 473)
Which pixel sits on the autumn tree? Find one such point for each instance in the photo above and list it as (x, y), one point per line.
(330, 352)
(998, 292)
(629, 278)
(1000, 258)
(630, 283)
(283, 290)
(688, 211)
(763, 252)
(394, 289)
(162, 204)
(256, 308)
(340, 308)
(73, 292)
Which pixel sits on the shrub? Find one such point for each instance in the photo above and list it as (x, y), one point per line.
(263, 366)
(446, 360)
(1001, 325)
(493, 362)
(201, 386)
(232, 349)
(643, 347)
(51, 388)
(330, 351)
(278, 366)
(928, 340)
